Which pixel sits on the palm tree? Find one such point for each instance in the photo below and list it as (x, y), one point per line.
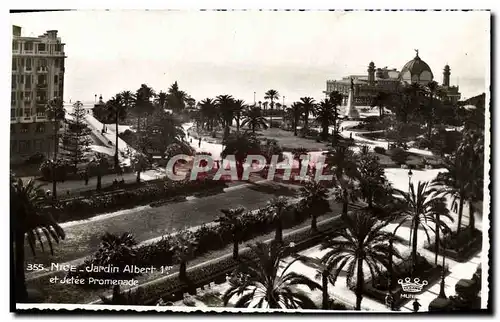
(238, 108)
(422, 207)
(308, 105)
(225, 104)
(373, 184)
(315, 200)
(295, 113)
(342, 162)
(336, 99)
(359, 241)
(165, 130)
(432, 90)
(271, 95)
(380, 100)
(254, 119)
(297, 153)
(56, 113)
(176, 99)
(28, 220)
(325, 116)
(117, 111)
(240, 145)
(139, 163)
(99, 164)
(266, 282)
(209, 112)
(231, 219)
(183, 247)
(277, 205)
(161, 99)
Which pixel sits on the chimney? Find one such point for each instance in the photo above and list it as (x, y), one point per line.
(16, 31)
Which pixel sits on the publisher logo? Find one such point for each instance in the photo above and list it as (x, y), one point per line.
(412, 286)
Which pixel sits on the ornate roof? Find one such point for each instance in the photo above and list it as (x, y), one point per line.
(416, 66)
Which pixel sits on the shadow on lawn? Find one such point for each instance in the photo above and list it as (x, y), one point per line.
(277, 190)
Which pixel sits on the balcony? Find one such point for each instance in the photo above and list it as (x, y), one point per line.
(27, 119)
(41, 85)
(42, 69)
(28, 69)
(42, 118)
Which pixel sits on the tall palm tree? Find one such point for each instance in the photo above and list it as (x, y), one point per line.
(308, 105)
(271, 95)
(422, 207)
(341, 162)
(165, 130)
(99, 164)
(359, 241)
(161, 99)
(315, 200)
(373, 184)
(143, 104)
(176, 99)
(254, 119)
(225, 104)
(297, 152)
(56, 113)
(231, 219)
(139, 164)
(295, 113)
(238, 108)
(28, 220)
(209, 112)
(380, 100)
(183, 247)
(336, 99)
(117, 111)
(277, 206)
(265, 281)
(325, 116)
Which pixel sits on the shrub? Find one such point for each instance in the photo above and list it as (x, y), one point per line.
(379, 150)
(398, 155)
(36, 158)
(189, 301)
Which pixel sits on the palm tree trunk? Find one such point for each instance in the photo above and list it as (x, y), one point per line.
(98, 188)
(472, 219)
(116, 142)
(235, 248)
(20, 287)
(381, 111)
(314, 226)
(253, 128)
(295, 129)
(359, 284)
(325, 289)
(271, 116)
(279, 231)
(182, 270)
(460, 211)
(138, 178)
(436, 247)
(345, 203)
(414, 247)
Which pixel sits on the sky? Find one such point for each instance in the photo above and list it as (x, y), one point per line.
(241, 52)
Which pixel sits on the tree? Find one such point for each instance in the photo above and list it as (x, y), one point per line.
(359, 241)
(117, 111)
(266, 282)
(341, 161)
(143, 104)
(422, 207)
(28, 221)
(56, 113)
(314, 200)
(238, 108)
(161, 100)
(432, 90)
(308, 104)
(231, 219)
(183, 247)
(176, 98)
(76, 139)
(98, 165)
(166, 130)
(240, 145)
(336, 99)
(254, 119)
(277, 205)
(325, 116)
(295, 113)
(297, 153)
(380, 100)
(225, 104)
(139, 164)
(373, 184)
(271, 95)
(209, 113)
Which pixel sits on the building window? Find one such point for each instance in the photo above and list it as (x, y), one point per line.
(14, 82)
(40, 128)
(28, 46)
(12, 128)
(57, 47)
(13, 145)
(38, 145)
(21, 79)
(56, 78)
(42, 79)
(24, 128)
(28, 62)
(40, 111)
(28, 81)
(12, 112)
(41, 47)
(14, 64)
(15, 45)
(24, 146)
(27, 112)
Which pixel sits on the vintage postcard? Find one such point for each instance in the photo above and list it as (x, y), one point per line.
(250, 161)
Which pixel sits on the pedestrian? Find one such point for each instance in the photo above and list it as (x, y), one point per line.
(86, 178)
(199, 143)
(350, 135)
(191, 140)
(389, 300)
(67, 193)
(416, 305)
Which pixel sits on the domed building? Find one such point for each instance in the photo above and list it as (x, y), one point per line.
(416, 71)
(388, 80)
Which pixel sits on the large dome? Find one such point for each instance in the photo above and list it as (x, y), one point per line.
(416, 71)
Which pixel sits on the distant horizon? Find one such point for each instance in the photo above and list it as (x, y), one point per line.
(238, 53)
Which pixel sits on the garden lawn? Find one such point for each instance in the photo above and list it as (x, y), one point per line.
(61, 293)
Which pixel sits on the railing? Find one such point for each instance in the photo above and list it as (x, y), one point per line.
(26, 119)
(41, 85)
(42, 69)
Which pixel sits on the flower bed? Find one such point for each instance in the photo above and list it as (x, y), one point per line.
(378, 288)
(83, 208)
(460, 247)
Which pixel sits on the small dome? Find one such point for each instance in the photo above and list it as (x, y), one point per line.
(416, 71)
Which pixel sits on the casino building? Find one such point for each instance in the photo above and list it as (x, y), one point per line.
(389, 80)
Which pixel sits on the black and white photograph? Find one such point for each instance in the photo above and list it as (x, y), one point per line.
(250, 160)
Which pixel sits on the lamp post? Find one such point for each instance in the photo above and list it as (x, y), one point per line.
(254, 98)
(410, 174)
(442, 294)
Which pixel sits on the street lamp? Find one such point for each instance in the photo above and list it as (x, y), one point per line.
(441, 289)
(410, 174)
(254, 98)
